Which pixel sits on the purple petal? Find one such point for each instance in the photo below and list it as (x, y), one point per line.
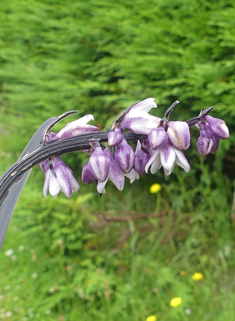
(182, 161)
(167, 156)
(99, 164)
(87, 177)
(158, 138)
(179, 134)
(125, 156)
(141, 159)
(218, 127)
(46, 183)
(44, 166)
(204, 145)
(215, 144)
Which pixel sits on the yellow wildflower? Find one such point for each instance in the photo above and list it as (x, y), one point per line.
(175, 302)
(155, 188)
(197, 276)
(151, 318)
(183, 273)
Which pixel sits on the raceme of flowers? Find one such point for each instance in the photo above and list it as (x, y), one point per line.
(163, 147)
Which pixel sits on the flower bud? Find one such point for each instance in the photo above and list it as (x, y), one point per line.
(115, 137)
(204, 145)
(157, 138)
(218, 127)
(87, 177)
(125, 156)
(179, 134)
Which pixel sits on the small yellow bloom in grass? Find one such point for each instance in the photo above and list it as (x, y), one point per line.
(155, 188)
(151, 318)
(197, 276)
(183, 273)
(175, 302)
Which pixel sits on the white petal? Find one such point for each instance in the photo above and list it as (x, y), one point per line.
(132, 175)
(151, 160)
(146, 104)
(182, 161)
(101, 186)
(156, 165)
(167, 155)
(54, 187)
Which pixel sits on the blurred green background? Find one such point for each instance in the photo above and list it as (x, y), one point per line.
(126, 255)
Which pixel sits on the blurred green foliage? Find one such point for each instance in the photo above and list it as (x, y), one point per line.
(99, 57)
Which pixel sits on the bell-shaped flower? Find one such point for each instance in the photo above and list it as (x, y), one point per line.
(218, 127)
(138, 120)
(115, 174)
(141, 159)
(205, 145)
(125, 156)
(87, 176)
(77, 127)
(167, 157)
(115, 137)
(178, 134)
(59, 179)
(158, 137)
(99, 164)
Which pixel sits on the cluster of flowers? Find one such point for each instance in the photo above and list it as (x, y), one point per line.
(163, 147)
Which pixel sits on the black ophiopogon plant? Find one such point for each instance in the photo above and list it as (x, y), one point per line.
(160, 143)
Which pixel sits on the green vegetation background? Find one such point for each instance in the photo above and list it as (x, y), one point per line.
(99, 57)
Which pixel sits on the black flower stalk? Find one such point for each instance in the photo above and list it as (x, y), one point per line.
(160, 143)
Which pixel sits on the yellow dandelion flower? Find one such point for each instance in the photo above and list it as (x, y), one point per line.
(155, 188)
(175, 302)
(183, 273)
(151, 318)
(197, 276)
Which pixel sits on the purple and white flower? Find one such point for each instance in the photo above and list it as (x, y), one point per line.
(60, 179)
(125, 156)
(167, 157)
(77, 127)
(115, 137)
(99, 164)
(211, 131)
(138, 119)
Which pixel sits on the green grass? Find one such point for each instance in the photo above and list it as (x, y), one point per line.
(76, 267)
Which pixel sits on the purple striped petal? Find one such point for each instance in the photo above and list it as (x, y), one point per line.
(158, 138)
(77, 127)
(179, 134)
(218, 127)
(125, 156)
(167, 156)
(87, 177)
(204, 145)
(141, 159)
(99, 164)
(115, 137)
(215, 144)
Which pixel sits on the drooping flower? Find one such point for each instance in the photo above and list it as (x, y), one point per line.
(61, 179)
(167, 157)
(99, 164)
(175, 302)
(139, 120)
(178, 134)
(211, 131)
(125, 156)
(114, 174)
(141, 158)
(158, 137)
(87, 176)
(77, 127)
